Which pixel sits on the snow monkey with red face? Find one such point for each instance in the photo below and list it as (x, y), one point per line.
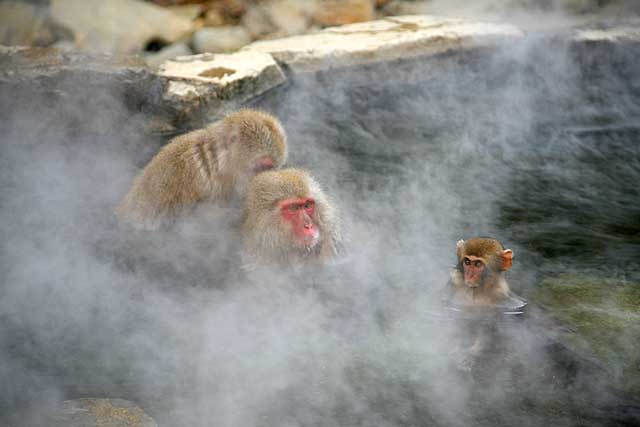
(210, 164)
(478, 282)
(288, 220)
(478, 278)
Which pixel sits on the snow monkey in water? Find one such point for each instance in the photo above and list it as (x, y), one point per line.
(478, 282)
(478, 278)
(214, 163)
(288, 220)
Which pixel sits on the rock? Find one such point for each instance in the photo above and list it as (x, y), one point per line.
(186, 87)
(290, 17)
(383, 40)
(214, 18)
(101, 413)
(218, 80)
(170, 52)
(399, 7)
(228, 12)
(19, 22)
(30, 65)
(69, 76)
(340, 12)
(622, 33)
(28, 25)
(126, 26)
(188, 11)
(220, 39)
(64, 45)
(258, 23)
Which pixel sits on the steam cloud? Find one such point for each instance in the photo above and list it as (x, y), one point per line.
(88, 310)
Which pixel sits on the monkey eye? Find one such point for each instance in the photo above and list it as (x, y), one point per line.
(478, 263)
(308, 204)
(293, 207)
(467, 261)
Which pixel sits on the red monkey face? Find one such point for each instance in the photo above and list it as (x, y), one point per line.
(474, 270)
(300, 214)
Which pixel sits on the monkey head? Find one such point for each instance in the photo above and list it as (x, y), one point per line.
(255, 142)
(482, 260)
(288, 217)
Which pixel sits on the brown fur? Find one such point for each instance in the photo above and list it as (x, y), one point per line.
(214, 163)
(495, 288)
(266, 238)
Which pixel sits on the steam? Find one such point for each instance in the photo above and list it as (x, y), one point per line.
(91, 310)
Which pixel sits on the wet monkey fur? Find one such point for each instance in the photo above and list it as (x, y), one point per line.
(478, 278)
(212, 164)
(287, 220)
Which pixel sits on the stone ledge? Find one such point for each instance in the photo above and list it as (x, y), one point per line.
(383, 40)
(614, 34)
(210, 79)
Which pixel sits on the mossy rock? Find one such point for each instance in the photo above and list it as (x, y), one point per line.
(601, 319)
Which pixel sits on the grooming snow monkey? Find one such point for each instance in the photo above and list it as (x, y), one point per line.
(213, 164)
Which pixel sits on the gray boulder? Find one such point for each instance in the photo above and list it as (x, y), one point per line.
(220, 39)
(23, 24)
(125, 26)
(173, 51)
(218, 81)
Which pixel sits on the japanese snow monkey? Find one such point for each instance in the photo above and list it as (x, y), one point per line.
(478, 278)
(210, 164)
(477, 283)
(288, 220)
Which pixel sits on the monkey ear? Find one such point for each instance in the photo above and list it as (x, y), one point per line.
(507, 259)
(459, 245)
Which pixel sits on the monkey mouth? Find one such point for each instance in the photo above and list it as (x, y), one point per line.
(308, 242)
(472, 285)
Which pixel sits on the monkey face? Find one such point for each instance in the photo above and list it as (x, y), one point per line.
(475, 270)
(299, 215)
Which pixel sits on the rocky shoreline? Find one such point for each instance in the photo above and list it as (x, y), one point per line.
(207, 85)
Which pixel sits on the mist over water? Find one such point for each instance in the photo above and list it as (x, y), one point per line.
(532, 144)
